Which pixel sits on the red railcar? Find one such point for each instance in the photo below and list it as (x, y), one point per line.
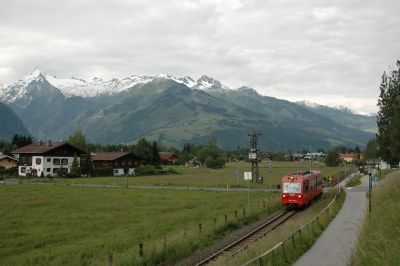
(300, 188)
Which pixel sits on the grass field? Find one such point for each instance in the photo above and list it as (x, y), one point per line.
(57, 225)
(68, 225)
(379, 240)
(205, 177)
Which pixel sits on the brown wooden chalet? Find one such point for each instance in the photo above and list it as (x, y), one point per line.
(46, 157)
(168, 158)
(122, 163)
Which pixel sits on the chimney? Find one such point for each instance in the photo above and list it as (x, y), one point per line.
(49, 143)
(40, 142)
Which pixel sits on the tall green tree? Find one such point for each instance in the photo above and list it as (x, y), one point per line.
(388, 136)
(78, 140)
(156, 160)
(332, 158)
(75, 168)
(372, 150)
(87, 164)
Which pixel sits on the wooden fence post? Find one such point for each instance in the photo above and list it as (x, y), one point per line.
(293, 244)
(226, 218)
(110, 259)
(200, 227)
(273, 257)
(244, 211)
(283, 251)
(141, 250)
(236, 214)
(264, 203)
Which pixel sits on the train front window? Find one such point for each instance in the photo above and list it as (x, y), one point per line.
(291, 187)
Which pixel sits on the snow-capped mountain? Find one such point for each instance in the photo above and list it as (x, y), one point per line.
(338, 108)
(96, 87)
(209, 84)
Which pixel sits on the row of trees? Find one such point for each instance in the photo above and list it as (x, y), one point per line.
(210, 154)
(17, 141)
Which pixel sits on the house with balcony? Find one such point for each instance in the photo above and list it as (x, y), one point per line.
(46, 158)
(122, 163)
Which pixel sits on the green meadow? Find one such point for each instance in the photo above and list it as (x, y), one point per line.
(74, 225)
(231, 175)
(64, 225)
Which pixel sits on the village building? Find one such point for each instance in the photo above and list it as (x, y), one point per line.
(168, 158)
(122, 163)
(7, 161)
(351, 157)
(46, 158)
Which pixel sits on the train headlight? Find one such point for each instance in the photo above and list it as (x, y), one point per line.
(284, 195)
(299, 196)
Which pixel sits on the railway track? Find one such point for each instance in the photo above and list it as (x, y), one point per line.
(233, 248)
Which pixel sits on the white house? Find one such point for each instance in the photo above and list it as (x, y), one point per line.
(46, 157)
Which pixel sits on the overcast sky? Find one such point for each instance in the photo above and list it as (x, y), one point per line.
(329, 52)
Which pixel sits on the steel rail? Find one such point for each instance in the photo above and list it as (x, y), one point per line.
(243, 239)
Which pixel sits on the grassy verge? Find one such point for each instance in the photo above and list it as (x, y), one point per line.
(63, 225)
(301, 242)
(379, 240)
(354, 181)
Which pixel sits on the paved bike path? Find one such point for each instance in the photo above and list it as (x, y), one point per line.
(337, 243)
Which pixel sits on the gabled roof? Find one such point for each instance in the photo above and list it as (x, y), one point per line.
(167, 155)
(110, 156)
(348, 155)
(43, 147)
(9, 157)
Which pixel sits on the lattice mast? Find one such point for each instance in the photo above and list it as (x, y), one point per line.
(253, 156)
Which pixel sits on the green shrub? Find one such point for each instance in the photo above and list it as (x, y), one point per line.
(103, 172)
(146, 170)
(214, 163)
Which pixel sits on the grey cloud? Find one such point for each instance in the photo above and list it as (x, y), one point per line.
(330, 51)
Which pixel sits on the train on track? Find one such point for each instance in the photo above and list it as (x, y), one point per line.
(300, 188)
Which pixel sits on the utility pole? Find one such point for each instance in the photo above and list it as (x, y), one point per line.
(253, 156)
(370, 189)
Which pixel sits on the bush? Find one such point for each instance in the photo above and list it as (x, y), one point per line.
(103, 172)
(13, 171)
(146, 170)
(214, 163)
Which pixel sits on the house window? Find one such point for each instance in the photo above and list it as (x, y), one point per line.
(23, 170)
(38, 161)
(48, 160)
(55, 170)
(64, 161)
(116, 171)
(56, 161)
(48, 170)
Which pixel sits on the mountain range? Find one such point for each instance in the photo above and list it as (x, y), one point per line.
(174, 111)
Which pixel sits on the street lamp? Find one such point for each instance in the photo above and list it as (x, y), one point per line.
(370, 188)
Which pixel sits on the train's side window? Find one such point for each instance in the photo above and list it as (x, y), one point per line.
(306, 186)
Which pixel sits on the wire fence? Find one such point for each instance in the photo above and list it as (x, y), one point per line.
(279, 254)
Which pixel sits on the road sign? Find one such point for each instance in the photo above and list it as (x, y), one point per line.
(247, 176)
